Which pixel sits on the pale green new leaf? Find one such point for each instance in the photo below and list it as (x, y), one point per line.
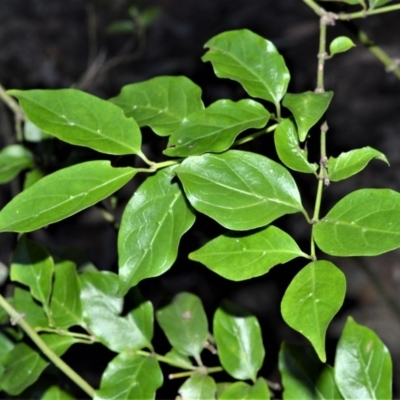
(152, 225)
(351, 162)
(240, 190)
(184, 322)
(81, 119)
(239, 342)
(366, 222)
(62, 194)
(161, 103)
(311, 301)
(340, 44)
(56, 393)
(363, 366)
(307, 109)
(252, 61)
(215, 128)
(378, 3)
(243, 391)
(14, 159)
(198, 387)
(239, 257)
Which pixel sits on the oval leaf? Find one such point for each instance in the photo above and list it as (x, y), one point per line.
(215, 128)
(14, 159)
(243, 391)
(152, 225)
(79, 118)
(252, 61)
(61, 194)
(240, 190)
(363, 367)
(311, 301)
(340, 44)
(307, 109)
(239, 257)
(184, 322)
(364, 223)
(161, 103)
(198, 387)
(351, 162)
(239, 341)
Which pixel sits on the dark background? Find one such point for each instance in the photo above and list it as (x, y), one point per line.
(64, 43)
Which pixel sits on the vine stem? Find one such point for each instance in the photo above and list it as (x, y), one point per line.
(366, 13)
(255, 135)
(166, 360)
(16, 109)
(16, 318)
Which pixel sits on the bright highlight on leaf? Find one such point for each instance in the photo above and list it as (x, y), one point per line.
(340, 44)
(14, 159)
(198, 387)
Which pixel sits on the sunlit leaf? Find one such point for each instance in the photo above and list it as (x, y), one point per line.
(340, 44)
(243, 391)
(198, 387)
(14, 159)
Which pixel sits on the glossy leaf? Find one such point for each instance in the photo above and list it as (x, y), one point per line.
(307, 109)
(288, 148)
(183, 360)
(304, 376)
(198, 387)
(62, 194)
(130, 376)
(81, 119)
(239, 341)
(378, 3)
(55, 393)
(243, 391)
(239, 257)
(311, 301)
(32, 312)
(14, 159)
(340, 44)
(363, 366)
(184, 322)
(240, 190)
(351, 162)
(364, 223)
(152, 225)
(252, 61)
(215, 128)
(161, 103)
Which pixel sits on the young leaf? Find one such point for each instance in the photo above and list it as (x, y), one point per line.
(130, 376)
(240, 190)
(14, 159)
(55, 393)
(152, 225)
(198, 387)
(239, 257)
(161, 103)
(340, 44)
(215, 128)
(363, 367)
(252, 61)
(304, 376)
(82, 119)
(239, 341)
(351, 162)
(243, 391)
(288, 148)
(364, 223)
(311, 301)
(377, 3)
(307, 109)
(62, 194)
(184, 322)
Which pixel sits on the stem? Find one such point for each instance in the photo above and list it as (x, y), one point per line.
(166, 360)
(83, 336)
(367, 13)
(53, 357)
(16, 109)
(317, 9)
(200, 371)
(255, 135)
(166, 163)
(321, 55)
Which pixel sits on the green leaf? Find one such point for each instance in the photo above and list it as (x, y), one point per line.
(65, 303)
(363, 223)
(363, 367)
(377, 3)
(215, 128)
(130, 376)
(252, 61)
(6, 345)
(174, 355)
(62, 194)
(33, 134)
(243, 391)
(340, 44)
(161, 103)
(81, 119)
(55, 393)
(184, 322)
(311, 301)
(288, 148)
(198, 387)
(351, 162)
(304, 376)
(238, 257)
(307, 109)
(33, 266)
(240, 190)
(222, 387)
(152, 225)
(239, 341)
(14, 159)
(32, 177)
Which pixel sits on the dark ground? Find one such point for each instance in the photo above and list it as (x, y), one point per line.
(46, 44)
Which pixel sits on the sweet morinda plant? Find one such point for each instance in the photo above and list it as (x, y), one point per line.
(203, 170)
